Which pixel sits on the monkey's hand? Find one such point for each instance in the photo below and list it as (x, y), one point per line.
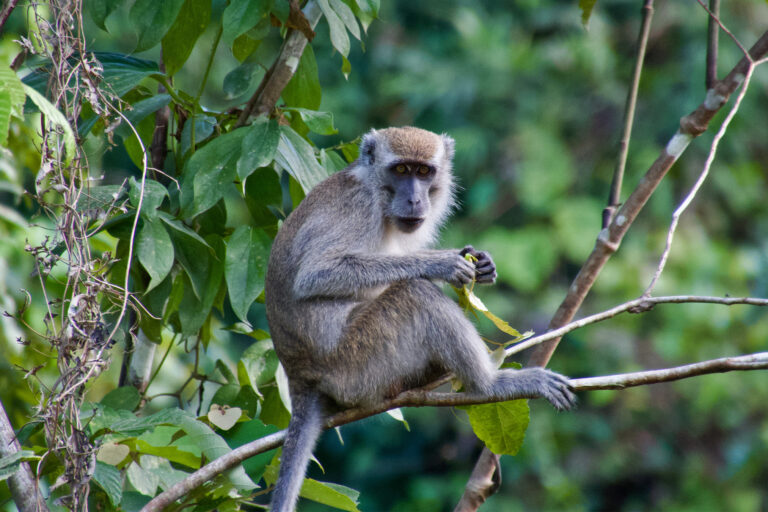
(451, 267)
(536, 382)
(485, 268)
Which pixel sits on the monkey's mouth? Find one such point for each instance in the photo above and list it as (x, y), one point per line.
(410, 223)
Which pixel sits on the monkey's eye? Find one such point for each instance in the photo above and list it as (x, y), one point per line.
(401, 169)
(423, 170)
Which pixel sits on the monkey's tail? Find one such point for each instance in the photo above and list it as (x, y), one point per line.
(303, 430)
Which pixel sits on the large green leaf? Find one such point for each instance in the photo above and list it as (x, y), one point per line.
(239, 80)
(501, 426)
(152, 197)
(124, 397)
(259, 362)
(365, 10)
(108, 477)
(246, 267)
(55, 118)
(204, 126)
(347, 16)
(333, 495)
(180, 39)
(192, 252)
(246, 432)
(101, 9)
(241, 15)
(152, 19)
(304, 88)
(259, 147)
(339, 37)
(12, 86)
(195, 308)
(209, 171)
(5, 115)
(318, 122)
(155, 251)
(297, 157)
(263, 194)
(121, 72)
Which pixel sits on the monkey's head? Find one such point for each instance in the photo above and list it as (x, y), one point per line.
(410, 169)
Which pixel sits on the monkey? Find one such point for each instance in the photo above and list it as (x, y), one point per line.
(352, 306)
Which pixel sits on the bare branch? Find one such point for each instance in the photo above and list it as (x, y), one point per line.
(614, 197)
(277, 77)
(609, 239)
(713, 32)
(23, 485)
(757, 361)
(6, 12)
(700, 181)
(424, 397)
(633, 306)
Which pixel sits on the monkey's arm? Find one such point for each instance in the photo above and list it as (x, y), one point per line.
(345, 275)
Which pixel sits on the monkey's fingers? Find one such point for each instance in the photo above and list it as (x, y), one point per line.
(487, 277)
(559, 392)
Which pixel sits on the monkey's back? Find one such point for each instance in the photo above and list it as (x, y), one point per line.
(333, 218)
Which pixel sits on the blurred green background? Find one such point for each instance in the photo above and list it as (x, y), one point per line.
(535, 102)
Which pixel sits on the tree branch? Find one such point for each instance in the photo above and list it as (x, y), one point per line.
(640, 305)
(614, 197)
(23, 485)
(6, 12)
(280, 73)
(424, 397)
(713, 32)
(609, 239)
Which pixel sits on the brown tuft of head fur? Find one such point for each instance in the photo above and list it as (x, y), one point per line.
(412, 143)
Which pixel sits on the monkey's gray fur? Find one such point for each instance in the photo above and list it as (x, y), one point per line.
(353, 311)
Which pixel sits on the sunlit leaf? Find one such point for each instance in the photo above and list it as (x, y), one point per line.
(109, 478)
(318, 122)
(339, 37)
(501, 425)
(347, 16)
(334, 495)
(55, 118)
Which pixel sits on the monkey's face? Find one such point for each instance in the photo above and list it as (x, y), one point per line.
(408, 185)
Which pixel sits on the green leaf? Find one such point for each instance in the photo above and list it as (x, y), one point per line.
(152, 19)
(222, 367)
(246, 267)
(121, 72)
(109, 478)
(213, 446)
(332, 161)
(101, 9)
(586, 7)
(194, 309)
(192, 252)
(124, 397)
(5, 115)
(180, 39)
(304, 88)
(55, 118)
(347, 16)
(259, 147)
(333, 495)
(247, 43)
(10, 83)
(237, 81)
(263, 197)
(204, 126)
(241, 15)
(155, 251)
(142, 480)
(260, 363)
(154, 193)
(365, 10)
(339, 37)
(501, 426)
(10, 464)
(319, 122)
(209, 171)
(297, 157)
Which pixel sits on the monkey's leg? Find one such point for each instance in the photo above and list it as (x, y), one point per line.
(397, 340)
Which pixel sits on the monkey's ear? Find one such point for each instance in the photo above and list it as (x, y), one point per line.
(449, 146)
(368, 148)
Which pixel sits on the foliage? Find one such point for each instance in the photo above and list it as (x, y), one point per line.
(531, 100)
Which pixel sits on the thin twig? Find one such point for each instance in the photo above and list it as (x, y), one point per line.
(6, 12)
(423, 397)
(713, 33)
(633, 306)
(609, 239)
(700, 181)
(614, 196)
